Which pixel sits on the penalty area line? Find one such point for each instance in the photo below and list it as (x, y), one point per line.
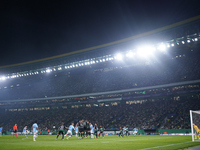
(164, 146)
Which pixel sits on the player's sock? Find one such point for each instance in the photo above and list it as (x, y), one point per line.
(16, 134)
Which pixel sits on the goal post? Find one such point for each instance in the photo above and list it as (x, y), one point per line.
(194, 119)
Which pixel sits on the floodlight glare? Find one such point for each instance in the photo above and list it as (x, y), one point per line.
(172, 44)
(119, 57)
(3, 78)
(162, 47)
(48, 70)
(130, 54)
(183, 42)
(195, 39)
(188, 41)
(145, 51)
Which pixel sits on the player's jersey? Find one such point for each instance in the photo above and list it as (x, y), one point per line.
(76, 129)
(25, 128)
(62, 127)
(91, 128)
(135, 130)
(95, 128)
(101, 129)
(196, 128)
(121, 130)
(1, 129)
(124, 129)
(80, 125)
(35, 126)
(71, 127)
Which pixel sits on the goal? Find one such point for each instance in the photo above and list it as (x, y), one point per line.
(194, 119)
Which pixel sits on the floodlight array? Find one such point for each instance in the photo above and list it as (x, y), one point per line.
(145, 51)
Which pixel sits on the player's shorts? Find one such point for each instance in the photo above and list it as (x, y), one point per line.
(95, 131)
(69, 132)
(91, 131)
(35, 132)
(81, 130)
(60, 132)
(76, 132)
(135, 132)
(126, 132)
(15, 131)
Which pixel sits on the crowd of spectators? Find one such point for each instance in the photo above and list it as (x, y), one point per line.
(163, 113)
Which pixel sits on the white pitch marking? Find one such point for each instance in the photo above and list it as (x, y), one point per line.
(164, 146)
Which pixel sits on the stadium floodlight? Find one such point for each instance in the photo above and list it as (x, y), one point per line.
(172, 44)
(76, 65)
(188, 41)
(48, 70)
(97, 61)
(104, 60)
(119, 56)
(145, 51)
(100, 60)
(168, 45)
(162, 47)
(195, 39)
(59, 68)
(130, 54)
(183, 42)
(3, 78)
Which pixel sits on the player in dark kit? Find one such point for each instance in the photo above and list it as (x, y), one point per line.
(127, 131)
(81, 129)
(95, 130)
(120, 132)
(101, 131)
(61, 131)
(87, 128)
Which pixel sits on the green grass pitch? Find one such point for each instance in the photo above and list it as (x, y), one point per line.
(139, 142)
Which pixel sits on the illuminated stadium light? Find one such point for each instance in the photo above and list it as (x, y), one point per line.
(177, 43)
(145, 51)
(59, 68)
(195, 39)
(162, 47)
(183, 42)
(168, 45)
(100, 60)
(172, 44)
(188, 41)
(76, 65)
(130, 54)
(97, 61)
(73, 66)
(104, 60)
(3, 78)
(119, 56)
(48, 70)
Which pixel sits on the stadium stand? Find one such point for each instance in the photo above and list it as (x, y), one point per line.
(24, 99)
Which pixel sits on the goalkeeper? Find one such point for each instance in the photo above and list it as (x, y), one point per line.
(196, 131)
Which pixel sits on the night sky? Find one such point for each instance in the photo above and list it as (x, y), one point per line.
(35, 29)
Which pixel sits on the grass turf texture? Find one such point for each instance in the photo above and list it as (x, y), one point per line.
(143, 142)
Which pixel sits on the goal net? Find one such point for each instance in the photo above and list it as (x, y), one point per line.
(195, 120)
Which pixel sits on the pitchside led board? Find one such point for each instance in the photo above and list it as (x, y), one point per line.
(195, 123)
